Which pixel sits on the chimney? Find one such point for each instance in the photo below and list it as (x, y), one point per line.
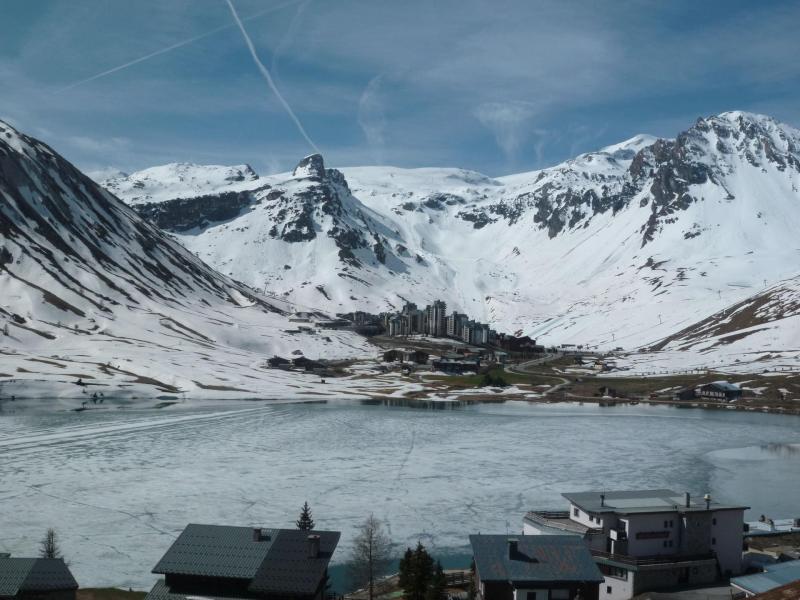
(259, 535)
(513, 546)
(687, 499)
(602, 499)
(313, 546)
(707, 498)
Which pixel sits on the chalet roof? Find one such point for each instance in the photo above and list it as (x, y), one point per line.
(278, 562)
(34, 575)
(725, 386)
(539, 558)
(216, 551)
(774, 576)
(639, 501)
(288, 569)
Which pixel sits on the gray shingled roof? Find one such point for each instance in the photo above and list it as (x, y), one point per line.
(279, 564)
(34, 574)
(539, 558)
(216, 551)
(288, 569)
(639, 501)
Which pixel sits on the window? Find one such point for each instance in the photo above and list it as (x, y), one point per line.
(608, 587)
(666, 524)
(615, 572)
(531, 596)
(713, 521)
(713, 540)
(559, 594)
(575, 512)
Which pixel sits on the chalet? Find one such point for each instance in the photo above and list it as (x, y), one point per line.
(392, 355)
(411, 356)
(242, 562)
(278, 361)
(307, 364)
(649, 540)
(686, 394)
(531, 567)
(456, 365)
(720, 390)
(513, 343)
(35, 579)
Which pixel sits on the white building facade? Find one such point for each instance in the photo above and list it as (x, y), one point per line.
(651, 539)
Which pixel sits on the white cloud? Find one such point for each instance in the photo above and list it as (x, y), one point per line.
(508, 122)
(372, 117)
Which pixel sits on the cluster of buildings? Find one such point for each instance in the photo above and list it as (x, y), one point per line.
(433, 320)
(605, 545)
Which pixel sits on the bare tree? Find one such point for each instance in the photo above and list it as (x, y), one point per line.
(371, 555)
(49, 546)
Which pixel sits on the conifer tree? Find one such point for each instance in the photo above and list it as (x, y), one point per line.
(437, 589)
(305, 522)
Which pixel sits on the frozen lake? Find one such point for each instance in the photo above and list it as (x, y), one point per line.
(119, 485)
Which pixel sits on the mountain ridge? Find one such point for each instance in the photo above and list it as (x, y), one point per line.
(609, 232)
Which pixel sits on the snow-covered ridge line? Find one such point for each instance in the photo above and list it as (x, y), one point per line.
(93, 293)
(624, 246)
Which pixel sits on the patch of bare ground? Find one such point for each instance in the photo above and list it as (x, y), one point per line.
(47, 362)
(761, 309)
(221, 388)
(136, 378)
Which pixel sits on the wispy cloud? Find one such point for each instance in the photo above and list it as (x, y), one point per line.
(372, 117)
(508, 121)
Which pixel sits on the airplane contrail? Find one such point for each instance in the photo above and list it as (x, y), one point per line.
(171, 47)
(268, 78)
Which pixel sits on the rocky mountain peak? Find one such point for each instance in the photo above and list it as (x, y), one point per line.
(312, 167)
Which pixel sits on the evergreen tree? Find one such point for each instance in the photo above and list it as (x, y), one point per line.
(437, 589)
(417, 572)
(405, 570)
(305, 522)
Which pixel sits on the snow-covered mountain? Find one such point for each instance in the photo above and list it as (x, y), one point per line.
(621, 247)
(92, 291)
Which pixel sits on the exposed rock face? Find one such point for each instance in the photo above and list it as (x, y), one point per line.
(661, 174)
(312, 167)
(183, 214)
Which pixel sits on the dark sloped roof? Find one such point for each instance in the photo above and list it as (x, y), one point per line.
(288, 568)
(216, 551)
(34, 574)
(539, 558)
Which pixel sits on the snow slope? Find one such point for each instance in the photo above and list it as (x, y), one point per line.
(621, 247)
(91, 291)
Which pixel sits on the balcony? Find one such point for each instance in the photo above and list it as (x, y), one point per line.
(559, 519)
(659, 559)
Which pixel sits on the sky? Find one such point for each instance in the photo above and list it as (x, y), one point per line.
(491, 85)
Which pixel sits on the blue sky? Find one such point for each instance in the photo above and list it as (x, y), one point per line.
(492, 85)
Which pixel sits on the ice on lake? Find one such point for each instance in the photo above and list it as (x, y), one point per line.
(119, 485)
